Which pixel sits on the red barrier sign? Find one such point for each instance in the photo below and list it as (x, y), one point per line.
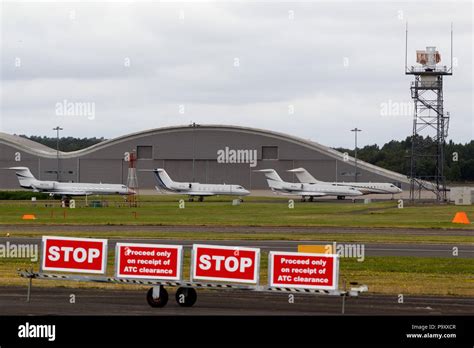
(225, 263)
(83, 255)
(148, 261)
(303, 270)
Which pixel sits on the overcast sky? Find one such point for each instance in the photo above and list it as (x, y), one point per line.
(310, 69)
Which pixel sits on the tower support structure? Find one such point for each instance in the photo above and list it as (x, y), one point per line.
(430, 124)
(132, 179)
(429, 119)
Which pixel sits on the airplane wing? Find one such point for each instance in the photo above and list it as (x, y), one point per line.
(190, 193)
(70, 193)
(163, 191)
(198, 193)
(311, 193)
(299, 193)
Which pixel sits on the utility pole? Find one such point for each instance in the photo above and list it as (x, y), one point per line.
(355, 130)
(57, 129)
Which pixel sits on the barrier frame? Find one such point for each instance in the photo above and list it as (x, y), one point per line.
(157, 285)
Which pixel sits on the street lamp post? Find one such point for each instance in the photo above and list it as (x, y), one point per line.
(57, 129)
(355, 130)
(194, 125)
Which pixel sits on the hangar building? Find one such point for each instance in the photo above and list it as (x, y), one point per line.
(201, 153)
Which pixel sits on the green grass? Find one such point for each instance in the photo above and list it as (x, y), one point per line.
(252, 213)
(384, 275)
(388, 275)
(413, 275)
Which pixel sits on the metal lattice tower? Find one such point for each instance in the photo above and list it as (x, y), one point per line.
(429, 119)
(132, 180)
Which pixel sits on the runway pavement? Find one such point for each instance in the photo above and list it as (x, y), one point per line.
(56, 301)
(10, 228)
(369, 249)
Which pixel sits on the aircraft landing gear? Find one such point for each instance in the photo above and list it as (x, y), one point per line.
(186, 297)
(341, 197)
(303, 199)
(201, 198)
(311, 198)
(191, 199)
(65, 201)
(157, 297)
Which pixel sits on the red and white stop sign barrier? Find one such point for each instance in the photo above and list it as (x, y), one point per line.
(303, 270)
(83, 255)
(225, 263)
(148, 261)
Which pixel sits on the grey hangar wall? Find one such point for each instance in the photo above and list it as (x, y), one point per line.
(174, 149)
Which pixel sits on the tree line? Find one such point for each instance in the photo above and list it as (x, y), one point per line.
(66, 144)
(395, 155)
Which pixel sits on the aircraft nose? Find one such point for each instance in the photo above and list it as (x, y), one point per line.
(130, 191)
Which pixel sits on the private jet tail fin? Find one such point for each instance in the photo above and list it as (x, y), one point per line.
(24, 176)
(270, 174)
(303, 176)
(164, 180)
(273, 179)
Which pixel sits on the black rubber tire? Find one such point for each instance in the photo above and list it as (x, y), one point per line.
(190, 297)
(157, 302)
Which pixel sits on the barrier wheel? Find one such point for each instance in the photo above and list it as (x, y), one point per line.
(186, 297)
(157, 302)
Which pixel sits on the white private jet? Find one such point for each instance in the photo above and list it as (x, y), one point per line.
(365, 187)
(195, 189)
(28, 181)
(304, 190)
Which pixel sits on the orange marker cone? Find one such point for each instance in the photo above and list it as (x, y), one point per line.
(29, 217)
(460, 218)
